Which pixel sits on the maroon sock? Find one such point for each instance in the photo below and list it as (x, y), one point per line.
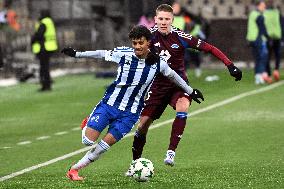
(138, 145)
(177, 131)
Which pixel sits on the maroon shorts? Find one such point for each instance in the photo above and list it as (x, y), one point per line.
(159, 97)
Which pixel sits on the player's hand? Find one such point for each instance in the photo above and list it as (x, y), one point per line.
(69, 51)
(152, 58)
(235, 72)
(196, 95)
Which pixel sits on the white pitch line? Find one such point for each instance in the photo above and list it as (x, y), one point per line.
(76, 128)
(61, 133)
(219, 104)
(24, 142)
(6, 147)
(43, 137)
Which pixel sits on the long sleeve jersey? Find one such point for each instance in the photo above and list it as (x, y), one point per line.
(172, 48)
(134, 77)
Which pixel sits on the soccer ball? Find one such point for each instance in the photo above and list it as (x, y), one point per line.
(143, 169)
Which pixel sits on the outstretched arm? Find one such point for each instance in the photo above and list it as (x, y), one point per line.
(234, 71)
(69, 51)
(193, 42)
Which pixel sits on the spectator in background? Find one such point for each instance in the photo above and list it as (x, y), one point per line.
(193, 55)
(44, 44)
(11, 18)
(273, 25)
(179, 16)
(147, 20)
(189, 24)
(257, 37)
(2, 22)
(8, 23)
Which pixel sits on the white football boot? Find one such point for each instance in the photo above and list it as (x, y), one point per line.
(170, 158)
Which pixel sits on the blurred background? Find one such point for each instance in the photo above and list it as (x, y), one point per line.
(104, 24)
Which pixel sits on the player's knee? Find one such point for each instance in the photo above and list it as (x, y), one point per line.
(87, 141)
(144, 124)
(182, 105)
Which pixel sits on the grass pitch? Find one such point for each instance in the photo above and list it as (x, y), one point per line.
(237, 145)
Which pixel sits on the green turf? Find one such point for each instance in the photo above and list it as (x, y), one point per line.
(238, 145)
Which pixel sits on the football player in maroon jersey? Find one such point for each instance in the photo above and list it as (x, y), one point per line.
(170, 43)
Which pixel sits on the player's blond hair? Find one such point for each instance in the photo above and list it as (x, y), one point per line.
(165, 8)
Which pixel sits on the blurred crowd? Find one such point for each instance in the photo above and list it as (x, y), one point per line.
(264, 36)
(8, 24)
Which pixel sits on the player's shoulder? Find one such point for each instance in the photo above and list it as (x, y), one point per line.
(181, 33)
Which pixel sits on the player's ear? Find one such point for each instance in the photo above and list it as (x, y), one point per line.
(148, 43)
(155, 19)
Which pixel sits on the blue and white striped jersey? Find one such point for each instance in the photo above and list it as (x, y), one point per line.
(134, 78)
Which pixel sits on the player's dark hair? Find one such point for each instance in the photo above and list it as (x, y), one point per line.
(165, 8)
(140, 31)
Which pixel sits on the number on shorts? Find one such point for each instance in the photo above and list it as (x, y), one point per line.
(148, 95)
(96, 119)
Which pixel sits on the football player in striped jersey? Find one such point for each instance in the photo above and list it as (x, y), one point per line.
(123, 100)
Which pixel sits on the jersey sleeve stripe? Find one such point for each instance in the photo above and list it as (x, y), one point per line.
(153, 29)
(181, 33)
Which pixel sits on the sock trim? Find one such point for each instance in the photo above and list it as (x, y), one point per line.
(87, 141)
(181, 114)
(104, 145)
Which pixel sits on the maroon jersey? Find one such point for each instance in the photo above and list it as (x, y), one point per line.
(172, 48)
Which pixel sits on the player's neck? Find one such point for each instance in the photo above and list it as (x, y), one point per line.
(165, 34)
(143, 56)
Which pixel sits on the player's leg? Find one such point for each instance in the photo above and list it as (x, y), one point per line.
(181, 106)
(95, 153)
(95, 125)
(89, 135)
(149, 114)
(117, 130)
(140, 136)
(158, 98)
(139, 141)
